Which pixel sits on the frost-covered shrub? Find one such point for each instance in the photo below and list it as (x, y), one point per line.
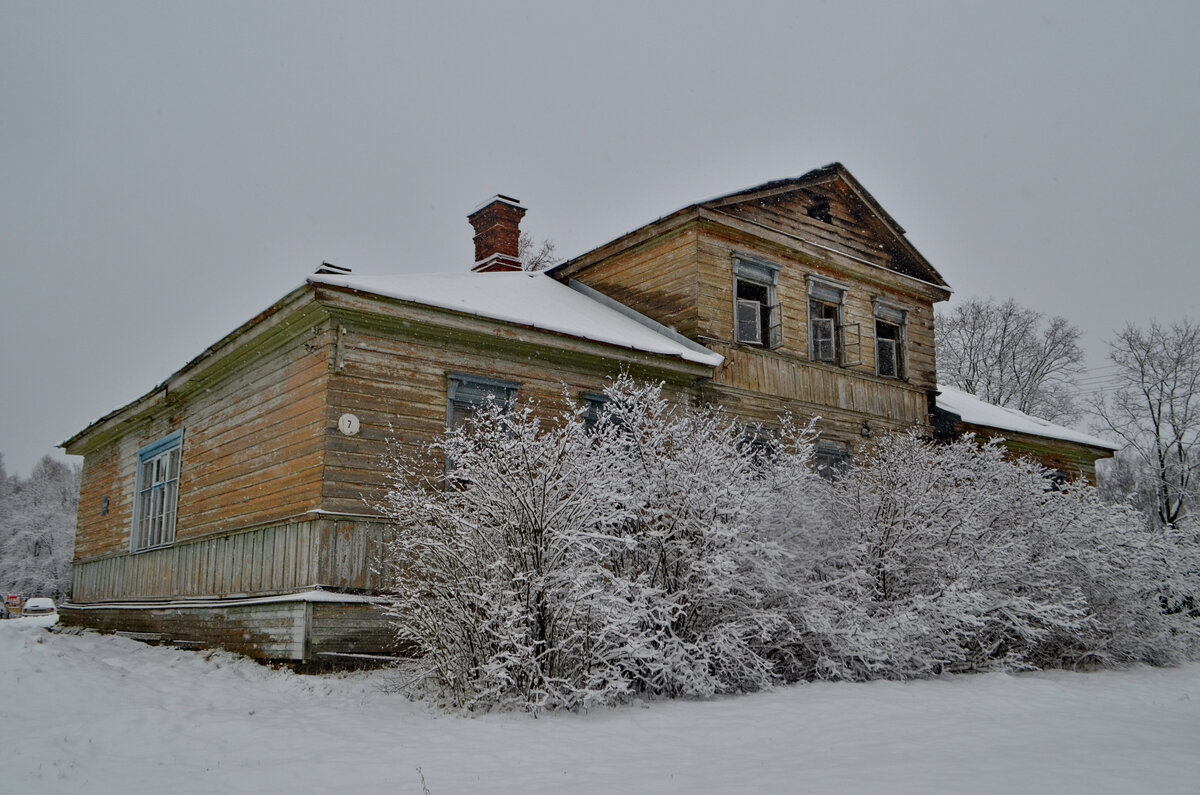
(952, 558)
(564, 566)
(562, 563)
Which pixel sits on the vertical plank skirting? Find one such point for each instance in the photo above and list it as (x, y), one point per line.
(341, 553)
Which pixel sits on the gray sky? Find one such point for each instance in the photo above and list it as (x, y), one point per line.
(167, 170)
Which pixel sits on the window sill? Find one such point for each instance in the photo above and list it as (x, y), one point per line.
(152, 549)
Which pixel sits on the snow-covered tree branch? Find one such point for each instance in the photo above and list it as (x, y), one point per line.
(651, 549)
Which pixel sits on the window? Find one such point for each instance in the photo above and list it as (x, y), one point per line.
(890, 323)
(594, 407)
(469, 393)
(157, 493)
(831, 459)
(757, 317)
(760, 444)
(825, 333)
(819, 209)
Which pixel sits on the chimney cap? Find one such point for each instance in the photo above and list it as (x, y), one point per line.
(498, 198)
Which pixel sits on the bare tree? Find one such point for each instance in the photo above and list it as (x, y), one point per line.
(536, 256)
(1156, 409)
(1011, 355)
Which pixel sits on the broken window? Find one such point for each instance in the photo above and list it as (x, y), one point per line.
(757, 317)
(157, 493)
(819, 209)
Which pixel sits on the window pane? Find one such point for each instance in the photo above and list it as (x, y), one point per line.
(461, 413)
(822, 339)
(749, 321)
(885, 357)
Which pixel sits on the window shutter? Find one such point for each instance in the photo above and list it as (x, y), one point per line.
(775, 326)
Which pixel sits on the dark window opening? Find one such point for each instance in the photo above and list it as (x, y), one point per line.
(597, 411)
(888, 351)
(754, 311)
(819, 210)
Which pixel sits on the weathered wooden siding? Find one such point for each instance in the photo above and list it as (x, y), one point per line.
(716, 252)
(337, 629)
(788, 378)
(849, 230)
(253, 451)
(1071, 459)
(397, 387)
(318, 551)
(271, 631)
(657, 278)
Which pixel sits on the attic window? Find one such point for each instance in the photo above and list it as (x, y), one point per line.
(757, 317)
(819, 210)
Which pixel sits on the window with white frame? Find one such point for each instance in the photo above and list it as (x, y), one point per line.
(825, 301)
(157, 493)
(890, 347)
(757, 316)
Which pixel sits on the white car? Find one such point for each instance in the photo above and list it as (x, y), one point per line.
(42, 610)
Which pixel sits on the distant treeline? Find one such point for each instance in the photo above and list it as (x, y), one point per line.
(37, 529)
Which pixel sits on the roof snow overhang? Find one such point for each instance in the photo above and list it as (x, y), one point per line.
(643, 348)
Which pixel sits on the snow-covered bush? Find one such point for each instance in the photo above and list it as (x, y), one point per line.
(564, 564)
(587, 557)
(953, 558)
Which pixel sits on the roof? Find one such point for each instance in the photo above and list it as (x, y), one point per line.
(530, 299)
(975, 411)
(887, 225)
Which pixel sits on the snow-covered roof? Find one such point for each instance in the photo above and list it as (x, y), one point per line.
(980, 412)
(528, 299)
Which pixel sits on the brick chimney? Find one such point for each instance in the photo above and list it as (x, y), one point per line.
(497, 232)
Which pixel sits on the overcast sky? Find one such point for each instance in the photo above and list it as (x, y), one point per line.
(167, 170)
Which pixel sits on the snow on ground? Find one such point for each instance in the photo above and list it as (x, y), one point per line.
(103, 714)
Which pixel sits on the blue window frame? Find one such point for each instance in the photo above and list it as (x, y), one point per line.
(156, 495)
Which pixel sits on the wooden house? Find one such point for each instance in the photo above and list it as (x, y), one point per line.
(234, 503)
